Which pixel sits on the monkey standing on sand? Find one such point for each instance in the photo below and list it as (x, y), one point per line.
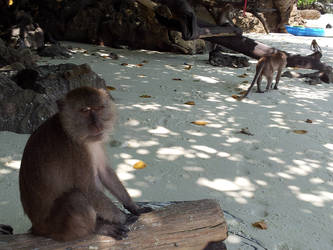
(266, 66)
(64, 169)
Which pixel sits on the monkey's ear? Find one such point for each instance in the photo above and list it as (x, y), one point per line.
(60, 104)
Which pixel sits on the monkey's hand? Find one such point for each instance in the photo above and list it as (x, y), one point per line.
(138, 210)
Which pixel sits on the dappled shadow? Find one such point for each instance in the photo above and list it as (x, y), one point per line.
(275, 174)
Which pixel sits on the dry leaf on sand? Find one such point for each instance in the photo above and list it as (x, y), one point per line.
(110, 88)
(145, 96)
(200, 123)
(300, 131)
(237, 97)
(190, 103)
(308, 121)
(245, 131)
(243, 75)
(260, 224)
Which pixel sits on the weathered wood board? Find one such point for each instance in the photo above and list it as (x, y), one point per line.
(182, 225)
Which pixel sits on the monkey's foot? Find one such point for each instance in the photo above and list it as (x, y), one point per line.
(114, 230)
(138, 210)
(260, 91)
(276, 88)
(131, 219)
(143, 210)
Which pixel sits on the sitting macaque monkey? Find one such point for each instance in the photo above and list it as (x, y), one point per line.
(314, 46)
(266, 66)
(64, 170)
(226, 15)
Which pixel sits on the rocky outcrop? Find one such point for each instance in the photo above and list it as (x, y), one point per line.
(25, 105)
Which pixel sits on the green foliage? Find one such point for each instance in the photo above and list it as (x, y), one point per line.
(304, 3)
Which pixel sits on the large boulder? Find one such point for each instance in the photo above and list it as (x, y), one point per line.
(111, 22)
(29, 97)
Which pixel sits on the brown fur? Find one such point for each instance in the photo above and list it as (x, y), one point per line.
(266, 66)
(64, 169)
(315, 46)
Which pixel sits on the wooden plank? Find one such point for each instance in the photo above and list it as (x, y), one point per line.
(182, 225)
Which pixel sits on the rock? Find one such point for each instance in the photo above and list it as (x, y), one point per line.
(310, 14)
(10, 56)
(249, 23)
(54, 50)
(112, 23)
(23, 109)
(217, 58)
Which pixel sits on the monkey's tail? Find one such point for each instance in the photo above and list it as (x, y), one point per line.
(255, 79)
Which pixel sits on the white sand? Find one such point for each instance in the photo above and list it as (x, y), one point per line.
(283, 178)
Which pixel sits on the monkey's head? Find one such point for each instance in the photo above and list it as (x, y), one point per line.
(87, 114)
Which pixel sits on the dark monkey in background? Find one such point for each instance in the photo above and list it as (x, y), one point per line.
(64, 170)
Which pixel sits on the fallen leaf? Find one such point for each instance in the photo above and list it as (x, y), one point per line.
(105, 57)
(139, 165)
(142, 76)
(260, 224)
(243, 75)
(188, 67)
(139, 65)
(200, 123)
(190, 103)
(245, 131)
(246, 81)
(144, 61)
(110, 88)
(124, 64)
(308, 121)
(300, 131)
(145, 96)
(176, 79)
(237, 97)
(242, 92)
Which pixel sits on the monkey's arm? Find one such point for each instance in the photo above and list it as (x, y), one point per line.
(111, 181)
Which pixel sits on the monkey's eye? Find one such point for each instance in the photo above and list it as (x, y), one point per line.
(98, 108)
(85, 109)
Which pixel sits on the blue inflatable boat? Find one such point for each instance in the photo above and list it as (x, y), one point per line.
(307, 31)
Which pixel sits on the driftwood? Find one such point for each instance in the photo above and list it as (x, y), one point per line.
(181, 225)
(254, 49)
(196, 28)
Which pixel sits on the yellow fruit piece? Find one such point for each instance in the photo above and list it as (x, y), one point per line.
(140, 165)
(11, 2)
(200, 123)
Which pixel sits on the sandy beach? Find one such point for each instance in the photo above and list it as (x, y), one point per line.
(271, 174)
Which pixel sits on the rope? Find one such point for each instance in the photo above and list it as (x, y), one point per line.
(244, 9)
